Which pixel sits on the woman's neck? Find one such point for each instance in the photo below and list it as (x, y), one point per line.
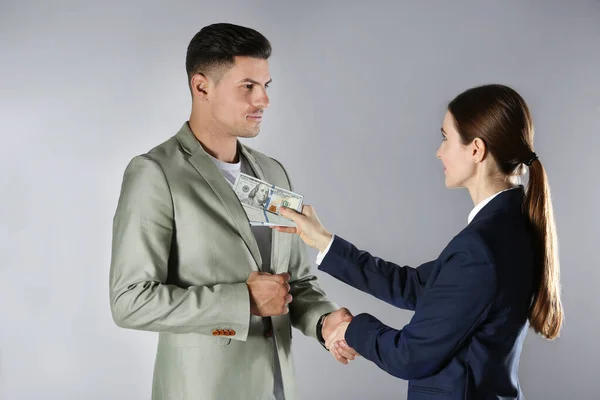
(487, 188)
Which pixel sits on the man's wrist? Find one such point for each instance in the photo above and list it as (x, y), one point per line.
(320, 324)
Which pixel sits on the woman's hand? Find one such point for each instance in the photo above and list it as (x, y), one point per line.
(308, 227)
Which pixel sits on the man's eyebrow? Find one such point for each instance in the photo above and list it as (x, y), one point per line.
(250, 80)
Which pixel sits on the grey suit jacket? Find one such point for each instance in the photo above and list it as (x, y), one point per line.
(181, 254)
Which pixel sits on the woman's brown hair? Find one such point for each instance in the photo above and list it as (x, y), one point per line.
(499, 116)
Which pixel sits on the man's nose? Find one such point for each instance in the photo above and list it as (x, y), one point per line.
(262, 99)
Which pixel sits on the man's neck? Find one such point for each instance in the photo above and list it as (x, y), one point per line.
(218, 144)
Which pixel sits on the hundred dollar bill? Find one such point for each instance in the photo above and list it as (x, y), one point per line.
(258, 217)
(257, 195)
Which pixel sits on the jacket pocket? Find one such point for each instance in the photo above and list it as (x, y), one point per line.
(430, 390)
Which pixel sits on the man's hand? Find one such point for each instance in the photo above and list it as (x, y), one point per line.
(332, 320)
(337, 344)
(338, 347)
(269, 294)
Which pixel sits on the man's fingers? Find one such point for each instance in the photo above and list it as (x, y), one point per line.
(330, 343)
(281, 278)
(346, 355)
(348, 348)
(256, 274)
(345, 351)
(338, 356)
(288, 299)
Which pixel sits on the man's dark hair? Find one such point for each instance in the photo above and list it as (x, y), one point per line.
(212, 50)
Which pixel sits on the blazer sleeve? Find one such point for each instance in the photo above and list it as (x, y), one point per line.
(309, 299)
(445, 318)
(143, 228)
(399, 286)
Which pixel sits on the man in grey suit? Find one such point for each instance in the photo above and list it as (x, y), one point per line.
(186, 263)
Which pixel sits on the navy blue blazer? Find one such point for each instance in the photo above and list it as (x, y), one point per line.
(465, 338)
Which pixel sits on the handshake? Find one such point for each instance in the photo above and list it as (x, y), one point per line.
(269, 296)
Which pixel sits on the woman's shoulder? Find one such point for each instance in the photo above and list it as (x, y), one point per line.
(469, 244)
(490, 236)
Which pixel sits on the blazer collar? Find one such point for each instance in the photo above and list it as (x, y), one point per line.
(507, 201)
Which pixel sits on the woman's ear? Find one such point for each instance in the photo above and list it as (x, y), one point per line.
(478, 150)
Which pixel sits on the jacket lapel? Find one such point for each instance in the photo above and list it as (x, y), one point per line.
(260, 174)
(201, 161)
(275, 236)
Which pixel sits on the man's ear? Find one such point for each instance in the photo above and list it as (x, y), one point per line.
(199, 84)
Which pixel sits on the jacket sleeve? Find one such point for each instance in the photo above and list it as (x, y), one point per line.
(143, 227)
(310, 301)
(399, 286)
(445, 318)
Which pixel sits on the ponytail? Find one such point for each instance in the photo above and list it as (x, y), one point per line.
(545, 312)
(500, 117)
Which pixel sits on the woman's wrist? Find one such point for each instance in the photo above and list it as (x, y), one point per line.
(323, 241)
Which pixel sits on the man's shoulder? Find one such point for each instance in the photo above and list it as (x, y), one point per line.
(162, 153)
(165, 149)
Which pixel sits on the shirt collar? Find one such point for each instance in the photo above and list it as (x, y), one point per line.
(225, 165)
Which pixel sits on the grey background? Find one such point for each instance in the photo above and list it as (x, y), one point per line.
(357, 101)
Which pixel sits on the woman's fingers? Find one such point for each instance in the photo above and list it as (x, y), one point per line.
(285, 229)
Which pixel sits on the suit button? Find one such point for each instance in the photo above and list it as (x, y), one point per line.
(269, 333)
(215, 332)
(232, 332)
(227, 332)
(221, 332)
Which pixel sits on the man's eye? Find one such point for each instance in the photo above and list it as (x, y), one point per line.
(249, 86)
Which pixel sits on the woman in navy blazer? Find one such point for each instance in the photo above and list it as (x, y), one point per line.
(498, 276)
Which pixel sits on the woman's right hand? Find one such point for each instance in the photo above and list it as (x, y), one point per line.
(308, 227)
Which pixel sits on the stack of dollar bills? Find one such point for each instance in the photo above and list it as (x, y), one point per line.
(261, 201)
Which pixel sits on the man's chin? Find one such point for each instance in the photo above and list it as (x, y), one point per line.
(248, 134)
